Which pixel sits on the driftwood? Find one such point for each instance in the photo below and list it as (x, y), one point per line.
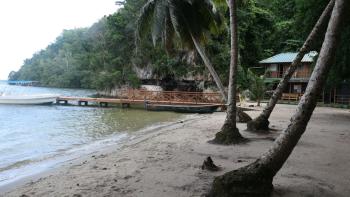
(208, 164)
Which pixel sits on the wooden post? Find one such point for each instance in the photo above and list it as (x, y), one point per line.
(103, 104)
(290, 87)
(125, 105)
(323, 95)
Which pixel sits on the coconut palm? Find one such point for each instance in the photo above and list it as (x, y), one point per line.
(229, 133)
(187, 20)
(261, 123)
(256, 179)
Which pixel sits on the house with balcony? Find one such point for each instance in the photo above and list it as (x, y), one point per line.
(277, 65)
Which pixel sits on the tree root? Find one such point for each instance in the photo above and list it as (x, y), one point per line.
(242, 117)
(244, 182)
(259, 124)
(228, 135)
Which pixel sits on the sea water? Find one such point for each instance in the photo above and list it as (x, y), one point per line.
(34, 138)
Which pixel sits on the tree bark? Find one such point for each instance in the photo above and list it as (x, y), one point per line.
(213, 73)
(210, 67)
(229, 133)
(261, 123)
(256, 178)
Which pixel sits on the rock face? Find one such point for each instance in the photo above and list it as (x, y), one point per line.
(115, 92)
(144, 73)
(151, 88)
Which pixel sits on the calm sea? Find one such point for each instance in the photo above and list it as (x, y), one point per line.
(34, 138)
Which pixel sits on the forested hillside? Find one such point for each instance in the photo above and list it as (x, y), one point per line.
(104, 56)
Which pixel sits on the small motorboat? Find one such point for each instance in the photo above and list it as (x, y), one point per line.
(201, 109)
(41, 99)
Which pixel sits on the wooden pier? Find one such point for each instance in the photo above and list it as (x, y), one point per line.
(155, 97)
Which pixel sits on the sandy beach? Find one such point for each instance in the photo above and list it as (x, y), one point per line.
(167, 161)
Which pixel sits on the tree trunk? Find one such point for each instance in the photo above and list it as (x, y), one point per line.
(256, 178)
(229, 133)
(210, 67)
(213, 73)
(261, 123)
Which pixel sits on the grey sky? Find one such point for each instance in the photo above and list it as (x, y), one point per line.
(28, 26)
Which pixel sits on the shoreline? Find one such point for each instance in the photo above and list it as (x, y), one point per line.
(167, 161)
(61, 160)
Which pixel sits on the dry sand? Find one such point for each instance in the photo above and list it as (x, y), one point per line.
(167, 161)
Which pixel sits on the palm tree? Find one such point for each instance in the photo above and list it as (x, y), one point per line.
(257, 86)
(261, 123)
(256, 179)
(229, 133)
(188, 20)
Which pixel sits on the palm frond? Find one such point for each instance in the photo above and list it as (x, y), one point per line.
(145, 20)
(160, 13)
(168, 33)
(220, 2)
(184, 19)
(180, 12)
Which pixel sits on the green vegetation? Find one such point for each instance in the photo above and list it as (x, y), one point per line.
(104, 55)
(257, 87)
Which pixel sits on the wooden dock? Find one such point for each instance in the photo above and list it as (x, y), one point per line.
(155, 97)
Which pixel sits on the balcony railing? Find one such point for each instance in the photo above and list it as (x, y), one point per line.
(173, 96)
(296, 75)
(342, 99)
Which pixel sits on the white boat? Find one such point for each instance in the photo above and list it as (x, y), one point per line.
(41, 99)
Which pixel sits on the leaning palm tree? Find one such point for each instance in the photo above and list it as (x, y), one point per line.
(261, 123)
(187, 20)
(256, 179)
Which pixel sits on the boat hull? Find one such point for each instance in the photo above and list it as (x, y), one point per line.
(27, 100)
(202, 109)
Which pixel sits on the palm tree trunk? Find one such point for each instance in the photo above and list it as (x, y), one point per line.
(229, 133)
(261, 123)
(256, 178)
(210, 67)
(217, 80)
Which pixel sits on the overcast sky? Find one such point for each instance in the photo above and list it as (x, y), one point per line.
(28, 26)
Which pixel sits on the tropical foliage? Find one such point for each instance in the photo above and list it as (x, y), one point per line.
(103, 55)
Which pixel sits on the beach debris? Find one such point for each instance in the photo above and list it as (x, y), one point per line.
(208, 164)
(127, 177)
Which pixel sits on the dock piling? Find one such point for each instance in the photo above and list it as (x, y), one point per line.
(125, 105)
(103, 104)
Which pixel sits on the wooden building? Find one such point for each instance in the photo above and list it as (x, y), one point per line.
(277, 65)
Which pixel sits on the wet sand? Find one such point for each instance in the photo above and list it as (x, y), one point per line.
(167, 161)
